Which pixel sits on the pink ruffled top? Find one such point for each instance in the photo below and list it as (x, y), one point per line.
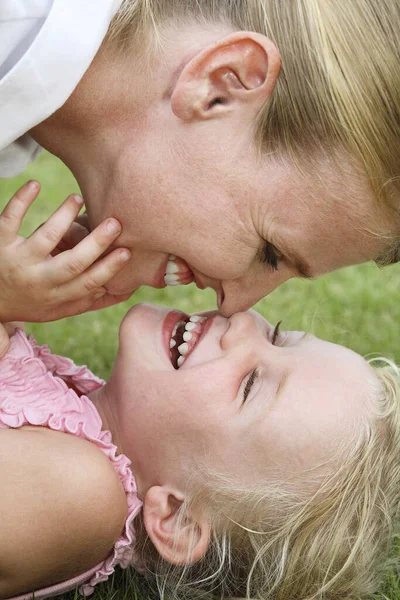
(42, 389)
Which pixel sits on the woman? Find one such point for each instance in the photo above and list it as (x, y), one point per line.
(254, 140)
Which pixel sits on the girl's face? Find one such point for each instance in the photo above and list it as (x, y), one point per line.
(244, 401)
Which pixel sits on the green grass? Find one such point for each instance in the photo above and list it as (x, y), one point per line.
(358, 307)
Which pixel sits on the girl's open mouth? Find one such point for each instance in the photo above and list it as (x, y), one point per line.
(184, 338)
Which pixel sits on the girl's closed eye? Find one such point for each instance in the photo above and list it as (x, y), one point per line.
(251, 378)
(275, 333)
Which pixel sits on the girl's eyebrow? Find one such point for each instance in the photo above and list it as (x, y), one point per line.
(284, 379)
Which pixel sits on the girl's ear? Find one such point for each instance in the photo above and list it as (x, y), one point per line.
(178, 540)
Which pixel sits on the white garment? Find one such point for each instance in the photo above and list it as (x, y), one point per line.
(45, 48)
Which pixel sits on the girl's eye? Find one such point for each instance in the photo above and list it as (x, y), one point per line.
(249, 383)
(271, 256)
(275, 334)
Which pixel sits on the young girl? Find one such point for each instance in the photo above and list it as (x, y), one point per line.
(221, 455)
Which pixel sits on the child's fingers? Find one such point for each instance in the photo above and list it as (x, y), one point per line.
(83, 219)
(75, 234)
(72, 263)
(4, 341)
(90, 283)
(16, 209)
(43, 241)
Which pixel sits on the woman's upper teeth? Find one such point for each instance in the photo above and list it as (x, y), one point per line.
(177, 272)
(184, 338)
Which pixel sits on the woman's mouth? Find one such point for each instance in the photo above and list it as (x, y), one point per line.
(177, 272)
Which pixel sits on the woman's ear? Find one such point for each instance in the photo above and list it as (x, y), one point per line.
(238, 71)
(179, 541)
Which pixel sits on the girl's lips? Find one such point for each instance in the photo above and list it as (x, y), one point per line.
(202, 324)
(171, 319)
(206, 328)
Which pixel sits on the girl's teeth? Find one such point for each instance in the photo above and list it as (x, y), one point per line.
(190, 332)
(183, 348)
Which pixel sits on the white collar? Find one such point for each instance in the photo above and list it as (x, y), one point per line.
(46, 75)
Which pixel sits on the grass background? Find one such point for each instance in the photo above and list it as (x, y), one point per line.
(358, 307)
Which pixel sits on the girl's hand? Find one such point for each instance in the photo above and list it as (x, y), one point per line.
(36, 286)
(75, 234)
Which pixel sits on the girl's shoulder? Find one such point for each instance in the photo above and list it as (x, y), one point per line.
(64, 504)
(41, 394)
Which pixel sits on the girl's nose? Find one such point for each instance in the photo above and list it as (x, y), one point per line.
(242, 328)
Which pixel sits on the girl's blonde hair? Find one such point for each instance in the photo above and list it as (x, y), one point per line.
(339, 86)
(327, 537)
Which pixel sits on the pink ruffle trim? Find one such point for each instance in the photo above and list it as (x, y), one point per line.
(38, 388)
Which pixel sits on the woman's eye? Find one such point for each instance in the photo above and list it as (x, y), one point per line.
(271, 256)
(249, 383)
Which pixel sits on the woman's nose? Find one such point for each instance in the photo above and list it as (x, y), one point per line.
(241, 294)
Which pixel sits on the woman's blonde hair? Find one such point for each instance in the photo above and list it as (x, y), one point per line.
(326, 537)
(339, 85)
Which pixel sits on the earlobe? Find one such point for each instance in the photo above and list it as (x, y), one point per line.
(178, 538)
(240, 71)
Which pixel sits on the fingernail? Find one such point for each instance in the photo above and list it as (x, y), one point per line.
(33, 185)
(125, 255)
(113, 227)
(78, 199)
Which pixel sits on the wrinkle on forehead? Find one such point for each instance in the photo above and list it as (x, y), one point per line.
(331, 210)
